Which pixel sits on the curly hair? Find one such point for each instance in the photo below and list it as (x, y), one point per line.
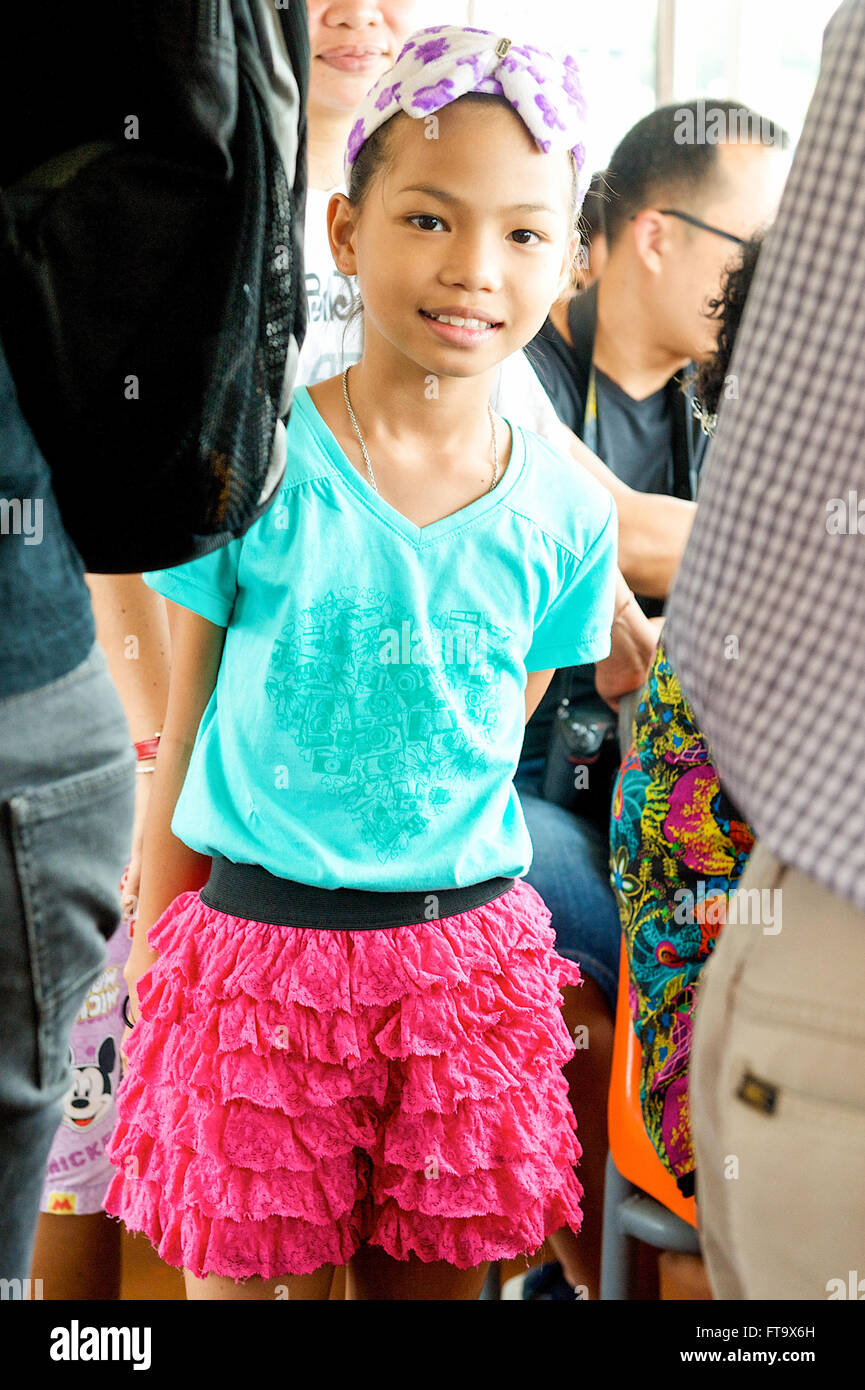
(710, 377)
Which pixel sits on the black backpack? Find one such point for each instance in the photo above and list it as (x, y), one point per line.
(152, 298)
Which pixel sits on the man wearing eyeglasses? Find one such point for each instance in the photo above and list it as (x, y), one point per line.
(677, 208)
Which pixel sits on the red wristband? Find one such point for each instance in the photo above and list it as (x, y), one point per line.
(147, 748)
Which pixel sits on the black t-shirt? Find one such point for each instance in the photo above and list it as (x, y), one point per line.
(637, 441)
(637, 435)
(47, 626)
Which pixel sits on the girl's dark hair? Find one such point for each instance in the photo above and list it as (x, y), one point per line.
(710, 377)
(372, 156)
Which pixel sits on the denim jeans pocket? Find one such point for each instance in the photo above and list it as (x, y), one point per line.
(70, 841)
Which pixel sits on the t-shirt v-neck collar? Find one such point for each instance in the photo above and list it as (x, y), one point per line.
(654, 403)
(419, 536)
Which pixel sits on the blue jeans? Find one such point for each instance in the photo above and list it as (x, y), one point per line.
(570, 870)
(67, 787)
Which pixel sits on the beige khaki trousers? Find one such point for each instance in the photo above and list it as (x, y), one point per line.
(778, 1092)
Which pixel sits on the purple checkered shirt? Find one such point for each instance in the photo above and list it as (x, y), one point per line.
(766, 621)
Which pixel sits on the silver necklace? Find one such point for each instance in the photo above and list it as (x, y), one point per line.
(366, 455)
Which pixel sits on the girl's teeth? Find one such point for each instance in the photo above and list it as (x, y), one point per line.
(460, 323)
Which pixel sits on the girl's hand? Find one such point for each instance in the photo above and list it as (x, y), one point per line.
(141, 958)
(132, 877)
(634, 639)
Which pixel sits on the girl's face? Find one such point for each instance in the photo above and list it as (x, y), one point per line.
(351, 43)
(466, 219)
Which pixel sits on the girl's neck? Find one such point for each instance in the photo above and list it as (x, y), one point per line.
(431, 454)
(327, 137)
(417, 414)
(428, 462)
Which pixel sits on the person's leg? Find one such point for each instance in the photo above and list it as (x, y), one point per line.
(375, 1276)
(474, 1155)
(708, 1061)
(66, 802)
(77, 1253)
(586, 1012)
(241, 1116)
(569, 870)
(299, 1288)
(790, 1127)
(77, 1257)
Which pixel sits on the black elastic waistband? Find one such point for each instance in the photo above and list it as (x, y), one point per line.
(252, 893)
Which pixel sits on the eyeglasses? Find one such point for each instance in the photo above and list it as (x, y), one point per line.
(695, 222)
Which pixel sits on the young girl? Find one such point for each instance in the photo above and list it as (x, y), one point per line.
(346, 40)
(350, 1040)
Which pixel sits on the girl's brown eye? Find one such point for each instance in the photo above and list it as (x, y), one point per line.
(524, 232)
(425, 217)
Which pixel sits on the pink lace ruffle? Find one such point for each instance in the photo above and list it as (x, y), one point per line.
(270, 1059)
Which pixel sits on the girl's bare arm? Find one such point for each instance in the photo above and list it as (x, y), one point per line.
(536, 687)
(132, 629)
(168, 866)
(633, 639)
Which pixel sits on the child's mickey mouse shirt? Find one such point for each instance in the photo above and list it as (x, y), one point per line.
(369, 709)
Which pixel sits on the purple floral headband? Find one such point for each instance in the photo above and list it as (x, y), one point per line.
(436, 66)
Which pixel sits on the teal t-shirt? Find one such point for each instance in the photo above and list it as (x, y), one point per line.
(369, 708)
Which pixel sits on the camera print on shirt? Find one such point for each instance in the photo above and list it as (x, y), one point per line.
(379, 707)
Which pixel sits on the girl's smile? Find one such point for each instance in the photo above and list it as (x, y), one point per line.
(463, 326)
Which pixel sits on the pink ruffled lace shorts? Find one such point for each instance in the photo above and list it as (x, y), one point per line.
(294, 1092)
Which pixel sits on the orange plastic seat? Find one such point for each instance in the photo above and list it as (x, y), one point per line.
(630, 1145)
